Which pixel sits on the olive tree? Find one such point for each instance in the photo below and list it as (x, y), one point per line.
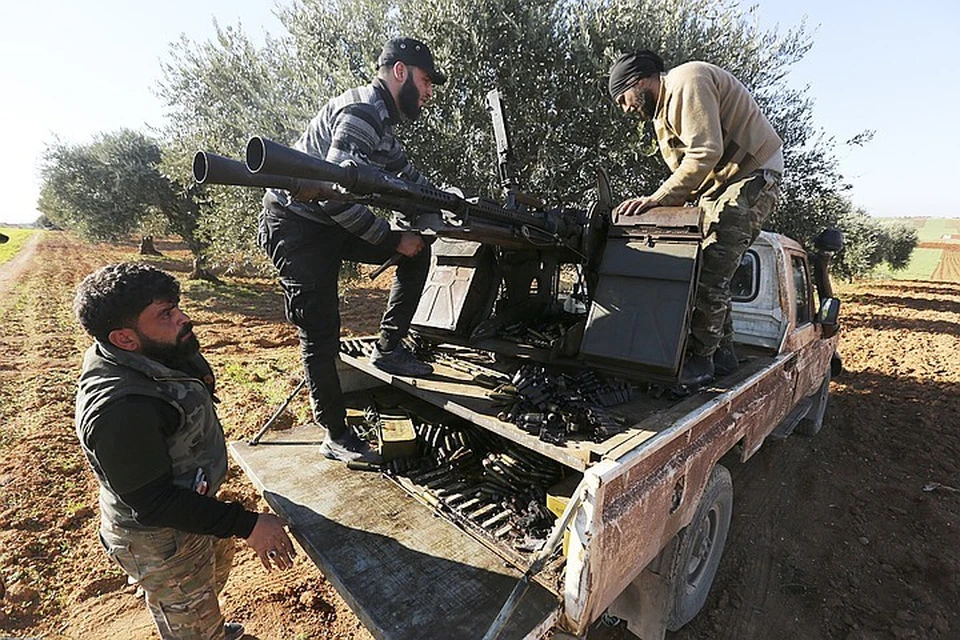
(108, 188)
(550, 60)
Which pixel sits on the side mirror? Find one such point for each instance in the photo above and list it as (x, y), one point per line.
(828, 316)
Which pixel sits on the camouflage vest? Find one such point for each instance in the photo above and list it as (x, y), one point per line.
(196, 448)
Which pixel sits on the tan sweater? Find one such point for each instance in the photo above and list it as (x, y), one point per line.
(710, 131)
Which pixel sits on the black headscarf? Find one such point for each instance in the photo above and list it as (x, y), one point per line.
(631, 67)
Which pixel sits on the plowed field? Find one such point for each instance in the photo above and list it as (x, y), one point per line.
(948, 269)
(852, 534)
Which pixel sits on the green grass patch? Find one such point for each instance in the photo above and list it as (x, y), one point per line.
(935, 228)
(922, 264)
(17, 238)
(256, 299)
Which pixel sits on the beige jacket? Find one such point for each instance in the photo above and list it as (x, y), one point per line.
(710, 131)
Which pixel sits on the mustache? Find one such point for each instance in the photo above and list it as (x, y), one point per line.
(185, 331)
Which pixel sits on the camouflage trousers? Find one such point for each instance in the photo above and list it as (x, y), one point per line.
(182, 575)
(736, 215)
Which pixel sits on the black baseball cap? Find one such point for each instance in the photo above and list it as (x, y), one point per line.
(411, 52)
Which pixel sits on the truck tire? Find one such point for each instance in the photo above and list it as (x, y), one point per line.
(699, 547)
(811, 423)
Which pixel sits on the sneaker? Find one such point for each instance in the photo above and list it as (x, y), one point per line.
(697, 371)
(399, 362)
(725, 360)
(233, 631)
(348, 448)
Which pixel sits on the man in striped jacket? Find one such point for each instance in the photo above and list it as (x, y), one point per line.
(308, 240)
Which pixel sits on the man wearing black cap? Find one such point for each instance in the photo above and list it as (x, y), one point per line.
(726, 156)
(308, 239)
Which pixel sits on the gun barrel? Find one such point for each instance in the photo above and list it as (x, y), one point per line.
(267, 156)
(210, 168)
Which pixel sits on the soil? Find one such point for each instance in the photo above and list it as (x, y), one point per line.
(948, 269)
(851, 534)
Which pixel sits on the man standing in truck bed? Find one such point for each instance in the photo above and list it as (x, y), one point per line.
(726, 156)
(307, 241)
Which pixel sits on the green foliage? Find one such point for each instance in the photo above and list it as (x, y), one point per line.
(869, 243)
(103, 189)
(218, 94)
(895, 244)
(44, 222)
(548, 57)
(109, 188)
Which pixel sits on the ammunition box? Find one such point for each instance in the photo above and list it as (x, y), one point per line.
(398, 439)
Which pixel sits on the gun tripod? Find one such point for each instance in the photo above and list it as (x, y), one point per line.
(255, 440)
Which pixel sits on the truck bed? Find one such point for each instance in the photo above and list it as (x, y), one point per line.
(408, 574)
(456, 391)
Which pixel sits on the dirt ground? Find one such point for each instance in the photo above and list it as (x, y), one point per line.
(852, 534)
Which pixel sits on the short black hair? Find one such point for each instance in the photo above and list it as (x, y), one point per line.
(113, 296)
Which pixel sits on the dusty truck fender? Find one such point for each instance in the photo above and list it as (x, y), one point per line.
(639, 502)
(641, 498)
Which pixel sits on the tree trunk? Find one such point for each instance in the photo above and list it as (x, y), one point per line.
(200, 272)
(147, 248)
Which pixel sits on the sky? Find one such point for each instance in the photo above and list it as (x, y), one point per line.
(71, 70)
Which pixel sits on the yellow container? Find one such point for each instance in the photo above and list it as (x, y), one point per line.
(398, 439)
(558, 497)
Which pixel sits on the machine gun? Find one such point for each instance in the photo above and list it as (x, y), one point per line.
(510, 255)
(477, 219)
(495, 280)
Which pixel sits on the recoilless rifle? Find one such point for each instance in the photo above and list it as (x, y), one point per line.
(496, 268)
(524, 242)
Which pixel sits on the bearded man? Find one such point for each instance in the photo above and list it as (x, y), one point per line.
(308, 239)
(146, 421)
(725, 156)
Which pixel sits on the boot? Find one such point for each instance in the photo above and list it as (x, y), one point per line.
(725, 360)
(697, 371)
(399, 362)
(348, 448)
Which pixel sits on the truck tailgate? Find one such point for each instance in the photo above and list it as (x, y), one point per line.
(405, 572)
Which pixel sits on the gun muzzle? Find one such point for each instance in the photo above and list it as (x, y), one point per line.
(268, 157)
(210, 168)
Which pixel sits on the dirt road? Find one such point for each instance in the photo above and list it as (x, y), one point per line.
(852, 534)
(10, 271)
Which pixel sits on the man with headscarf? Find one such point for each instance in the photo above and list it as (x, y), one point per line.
(725, 156)
(308, 239)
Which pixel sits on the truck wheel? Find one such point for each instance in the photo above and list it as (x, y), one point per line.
(699, 547)
(811, 423)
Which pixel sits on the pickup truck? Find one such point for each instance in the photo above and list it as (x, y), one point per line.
(417, 552)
